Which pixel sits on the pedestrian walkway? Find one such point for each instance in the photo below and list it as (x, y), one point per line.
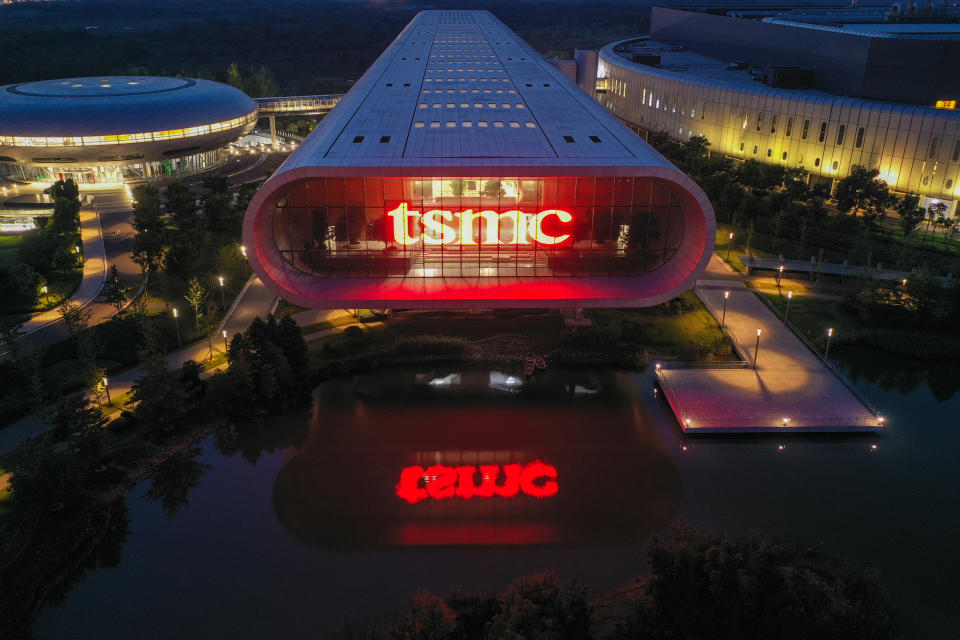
(790, 390)
(94, 272)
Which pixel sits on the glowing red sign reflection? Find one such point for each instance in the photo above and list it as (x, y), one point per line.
(537, 479)
(457, 227)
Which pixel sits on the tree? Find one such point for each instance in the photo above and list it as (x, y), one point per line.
(150, 231)
(116, 292)
(63, 259)
(429, 618)
(75, 317)
(28, 282)
(234, 78)
(862, 189)
(706, 585)
(196, 296)
(67, 189)
(182, 206)
(911, 214)
(541, 606)
(158, 398)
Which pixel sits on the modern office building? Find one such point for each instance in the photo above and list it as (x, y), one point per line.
(464, 170)
(807, 95)
(118, 129)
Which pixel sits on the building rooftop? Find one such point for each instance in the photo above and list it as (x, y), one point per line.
(459, 87)
(109, 105)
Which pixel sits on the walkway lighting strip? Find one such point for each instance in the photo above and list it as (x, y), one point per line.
(128, 138)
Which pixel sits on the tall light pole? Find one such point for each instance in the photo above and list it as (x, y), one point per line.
(225, 347)
(176, 323)
(223, 299)
(756, 348)
(826, 353)
(106, 387)
(246, 264)
(729, 244)
(779, 275)
(46, 295)
(723, 319)
(789, 298)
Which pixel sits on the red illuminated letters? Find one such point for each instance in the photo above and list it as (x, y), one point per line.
(457, 227)
(439, 482)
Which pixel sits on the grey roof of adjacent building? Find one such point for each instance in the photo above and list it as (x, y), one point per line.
(110, 105)
(460, 88)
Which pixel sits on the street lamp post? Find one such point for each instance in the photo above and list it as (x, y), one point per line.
(106, 387)
(729, 244)
(223, 299)
(826, 353)
(756, 348)
(723, 319)
(789, 298)
(46, 295)
(225, 347)
(779, 275)
(246, 264)
(176, 323)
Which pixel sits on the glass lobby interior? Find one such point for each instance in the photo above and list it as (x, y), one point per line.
(340, 227)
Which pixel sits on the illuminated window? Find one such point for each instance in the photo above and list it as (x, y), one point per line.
(835, 165)
(805, 129)
(859, 141)
(823, 132)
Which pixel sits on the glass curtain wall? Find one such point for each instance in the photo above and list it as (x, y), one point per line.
(478, 227)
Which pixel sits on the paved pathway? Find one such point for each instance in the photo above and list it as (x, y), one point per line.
(94, 271)
(789, 382)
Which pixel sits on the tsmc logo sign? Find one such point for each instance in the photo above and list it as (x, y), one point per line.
(439, 482)
(457, 227)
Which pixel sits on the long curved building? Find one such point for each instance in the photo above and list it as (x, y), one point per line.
(464, 170)
(736, 83)
(118, 129)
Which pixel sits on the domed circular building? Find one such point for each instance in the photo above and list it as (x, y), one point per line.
(118, 128)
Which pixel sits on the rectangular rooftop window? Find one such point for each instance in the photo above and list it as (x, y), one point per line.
(357, 139)
(568, 138)
(594, 139)
(384, 139)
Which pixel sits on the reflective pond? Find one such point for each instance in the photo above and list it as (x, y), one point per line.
(446, 477)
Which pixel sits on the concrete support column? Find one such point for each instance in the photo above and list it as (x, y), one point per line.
(273, 131)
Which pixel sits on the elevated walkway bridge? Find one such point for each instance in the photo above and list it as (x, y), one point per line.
(294, 106)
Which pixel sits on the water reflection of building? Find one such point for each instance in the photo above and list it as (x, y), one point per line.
(614, 479)
(464, 170)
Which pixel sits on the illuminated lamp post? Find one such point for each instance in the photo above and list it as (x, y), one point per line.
(246, 265)
(176, 323)
(225, 347)
(826, 353)
(787, 312)
(106, 387)
(729, 244)
(223, 299)
(779, 275)
(756, 348)
(904, 282)
(723, 318)
(46, 295)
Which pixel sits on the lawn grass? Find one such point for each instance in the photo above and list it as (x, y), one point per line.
(737, 251)
(813, 315)
(682, 327)
(8, 249)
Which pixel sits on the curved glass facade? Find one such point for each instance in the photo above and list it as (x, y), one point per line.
(477, 227)
(182, 166)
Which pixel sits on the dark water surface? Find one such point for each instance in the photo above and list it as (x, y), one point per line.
(289, 541)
